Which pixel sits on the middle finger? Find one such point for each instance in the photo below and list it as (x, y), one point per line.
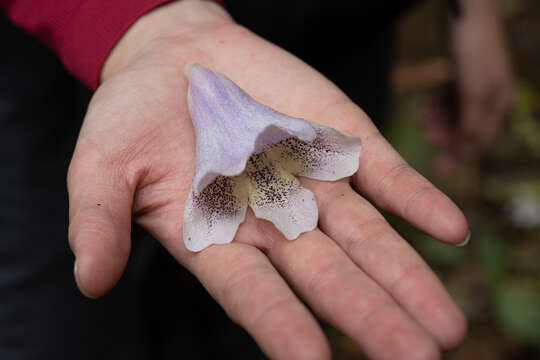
(342, 294)
(378, 249)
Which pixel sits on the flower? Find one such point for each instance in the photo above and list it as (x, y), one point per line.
(248, 153)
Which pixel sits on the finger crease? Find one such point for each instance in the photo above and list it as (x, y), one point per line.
(270, 308)
(414, 197)
(384, 305)
(363, 233)
(405, 276)
(390, 177)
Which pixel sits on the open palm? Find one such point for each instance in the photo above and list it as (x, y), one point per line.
(135, 159)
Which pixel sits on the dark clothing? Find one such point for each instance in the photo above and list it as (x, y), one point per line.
(350, 42)
(158, 310)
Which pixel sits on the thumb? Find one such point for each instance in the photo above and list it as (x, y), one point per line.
(99, 222)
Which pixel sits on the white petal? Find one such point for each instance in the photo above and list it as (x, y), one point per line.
(276, 195)
(213, 216)
(331, 156)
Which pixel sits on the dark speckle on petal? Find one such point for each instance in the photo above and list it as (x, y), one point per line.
(218, 200)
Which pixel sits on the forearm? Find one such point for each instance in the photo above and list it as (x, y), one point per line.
(476, 16)
(473, 8)
(478, 46)
(483, 73)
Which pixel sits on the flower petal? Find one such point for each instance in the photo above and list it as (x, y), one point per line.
(276, 195)
(331, 156)
(213, 216)
(231, 126)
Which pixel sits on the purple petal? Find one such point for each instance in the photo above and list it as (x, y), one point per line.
(231, 126)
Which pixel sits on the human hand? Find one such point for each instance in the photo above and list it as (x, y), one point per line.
(135, 158)
(466, 119)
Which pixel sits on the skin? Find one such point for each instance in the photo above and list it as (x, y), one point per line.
(484, 91)
(135, 158)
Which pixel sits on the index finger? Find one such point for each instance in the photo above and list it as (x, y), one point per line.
(386, 178)
(388, 181)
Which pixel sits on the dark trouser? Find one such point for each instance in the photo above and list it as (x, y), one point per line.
(158, 310)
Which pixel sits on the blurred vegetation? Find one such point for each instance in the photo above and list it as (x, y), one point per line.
(496, 278)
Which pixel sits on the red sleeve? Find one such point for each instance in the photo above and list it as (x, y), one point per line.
(81, 32)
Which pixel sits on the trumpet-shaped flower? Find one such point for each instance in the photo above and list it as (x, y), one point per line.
(249, 154)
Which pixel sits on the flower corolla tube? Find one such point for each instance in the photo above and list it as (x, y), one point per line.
(249, 154)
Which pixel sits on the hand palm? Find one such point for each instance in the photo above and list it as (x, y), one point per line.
(135, 156)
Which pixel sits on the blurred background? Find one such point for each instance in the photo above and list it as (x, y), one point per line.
(496, 278)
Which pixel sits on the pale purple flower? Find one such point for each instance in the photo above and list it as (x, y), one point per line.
(248, 153)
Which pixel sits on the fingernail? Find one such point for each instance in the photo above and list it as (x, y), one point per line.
(75, 272)
(466, 241)
(76, 275)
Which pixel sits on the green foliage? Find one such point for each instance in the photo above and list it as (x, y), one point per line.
(517, 307)
(407, 136)
(523, 121)
(439, 253)
(491, 254)
(512, 7)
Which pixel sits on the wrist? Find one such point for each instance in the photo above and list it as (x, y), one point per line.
(179, 20)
